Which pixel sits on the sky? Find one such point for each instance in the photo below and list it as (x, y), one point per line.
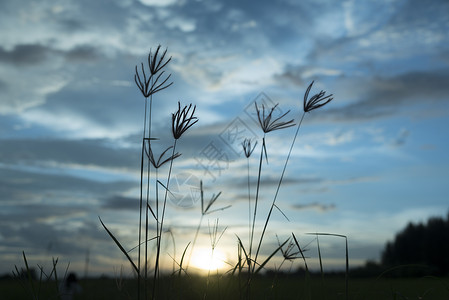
(363, 166)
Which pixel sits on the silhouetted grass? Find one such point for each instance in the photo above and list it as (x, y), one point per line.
(244, 279)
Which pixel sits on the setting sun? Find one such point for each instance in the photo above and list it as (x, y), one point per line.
(203, 259)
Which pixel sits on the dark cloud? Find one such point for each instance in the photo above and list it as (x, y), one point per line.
(34, 54)
(315, 206)
(25, 54)
(84, 152)
(83, 53)
(291, 76)
(3, 86)
(272, 182)
(28, 187)
(418, 14)
(31, 213)
(118, 202)
(71, 25)
(38, 237)
(387, 96)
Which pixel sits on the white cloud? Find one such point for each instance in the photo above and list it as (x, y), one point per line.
(76, 125)
(183, 24)
(30, 91)
(158, 3)
(339, 138)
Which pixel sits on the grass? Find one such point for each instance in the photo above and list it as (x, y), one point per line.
(227, 287)
(244, 280)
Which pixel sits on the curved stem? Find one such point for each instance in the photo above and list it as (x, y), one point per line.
(279, 186)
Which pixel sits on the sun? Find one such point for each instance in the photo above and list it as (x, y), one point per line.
(204, 260)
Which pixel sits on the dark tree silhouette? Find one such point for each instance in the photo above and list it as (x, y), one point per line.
(425, 244)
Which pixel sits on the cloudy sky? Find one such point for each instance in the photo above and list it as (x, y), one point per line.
(71, 120)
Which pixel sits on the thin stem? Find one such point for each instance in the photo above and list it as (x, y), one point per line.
(147, 201)
(249, 201)
(141, 199)
(159, 239)
(194, 240)
(257, 196)
(279, 186)
(252, 265)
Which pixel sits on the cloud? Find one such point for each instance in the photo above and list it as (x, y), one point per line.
(315, 206)
(22, 187)
(158, 3)
(77, 152)
(302, 75)
(119, 202)
(82, 53)
(25, 54)
(389, 96)
(3, 86)
(31, 90)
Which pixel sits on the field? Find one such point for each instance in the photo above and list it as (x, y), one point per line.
(263, 288)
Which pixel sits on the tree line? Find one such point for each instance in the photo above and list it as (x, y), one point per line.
(419, 249)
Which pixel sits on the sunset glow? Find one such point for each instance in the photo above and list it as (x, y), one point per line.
(204, 260)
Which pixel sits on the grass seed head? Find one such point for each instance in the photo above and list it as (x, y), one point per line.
(248, 148)
(266, 122)
(316, 101)
(155, 82)
(182, 120)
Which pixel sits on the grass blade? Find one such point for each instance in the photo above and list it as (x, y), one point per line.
(182, 259)
(120, 247)
(346, 254)
(271, 255)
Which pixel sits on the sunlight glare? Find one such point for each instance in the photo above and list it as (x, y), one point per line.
(203, 259)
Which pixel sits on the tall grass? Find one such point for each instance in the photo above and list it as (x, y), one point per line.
(36, 284)
(249, 264)
(149, 83)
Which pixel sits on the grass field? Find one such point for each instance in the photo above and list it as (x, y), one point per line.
(263, 288)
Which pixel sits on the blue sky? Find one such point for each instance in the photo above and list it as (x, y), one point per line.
(71, 118)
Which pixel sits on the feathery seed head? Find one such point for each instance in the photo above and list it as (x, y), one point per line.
(151, 85)
(316, 101)
(182, 120)
(247, 147)
(266, 122)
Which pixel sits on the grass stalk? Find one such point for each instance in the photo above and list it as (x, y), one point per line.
(205, 209)
(141, 198)
(346, 256)
(147, 201)
(307, 273)
(273, 204)
(159, 234)
(256, 199)
(249, 199)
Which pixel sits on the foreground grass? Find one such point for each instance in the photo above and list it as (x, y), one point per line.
(227, 287)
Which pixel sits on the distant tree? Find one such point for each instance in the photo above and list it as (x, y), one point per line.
(426, 244)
